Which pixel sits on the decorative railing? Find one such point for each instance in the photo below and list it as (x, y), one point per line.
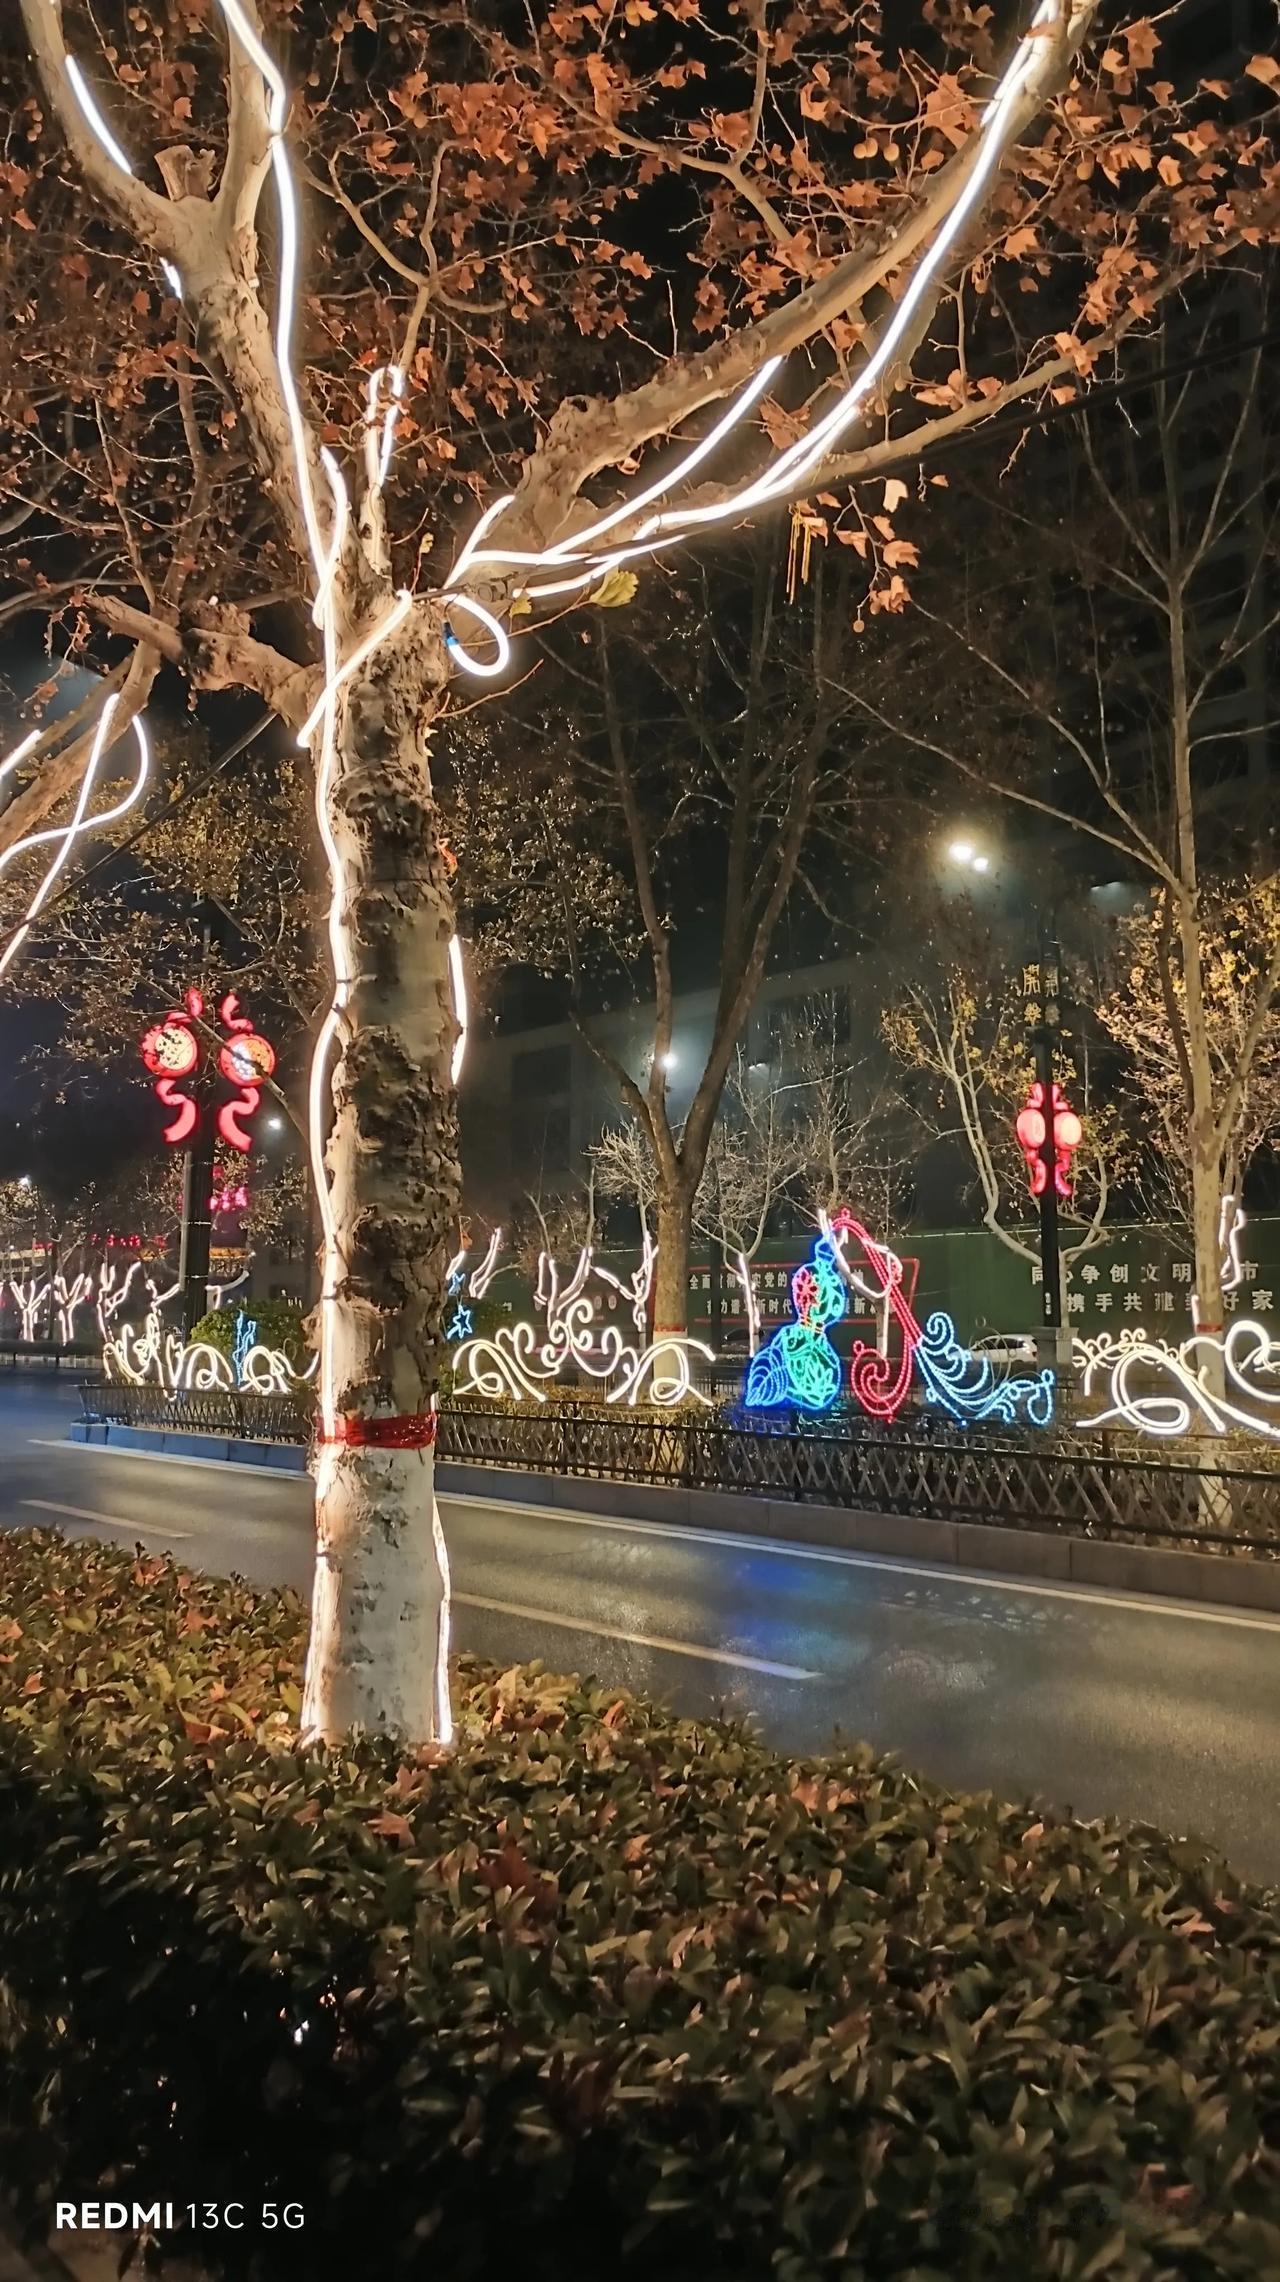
(924, 1466)
(238, 1416)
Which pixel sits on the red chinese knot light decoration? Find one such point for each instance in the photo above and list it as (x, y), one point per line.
(248, 1061)
(1031, 1129)
(171, 1051)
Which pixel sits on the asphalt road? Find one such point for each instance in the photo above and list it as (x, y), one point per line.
(1100, 1702)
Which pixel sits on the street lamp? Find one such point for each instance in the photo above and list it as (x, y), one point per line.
(968, 856)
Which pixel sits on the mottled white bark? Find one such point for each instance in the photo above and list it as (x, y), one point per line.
(380, 1611)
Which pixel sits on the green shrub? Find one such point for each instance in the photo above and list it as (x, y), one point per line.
(279, 1324)
(603, 1993)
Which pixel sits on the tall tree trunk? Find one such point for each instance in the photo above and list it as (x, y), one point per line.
(671, 1272)
(380, 1617)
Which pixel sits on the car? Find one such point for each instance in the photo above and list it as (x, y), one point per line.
(1007, 1347)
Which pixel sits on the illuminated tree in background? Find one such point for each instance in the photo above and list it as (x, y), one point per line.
(470, 287)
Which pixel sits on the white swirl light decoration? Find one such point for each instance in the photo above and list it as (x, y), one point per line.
(502, 1367)
(670, 1384)
(966, 1385)
(200, 1368)
(1249, 1356)
(268, 1371)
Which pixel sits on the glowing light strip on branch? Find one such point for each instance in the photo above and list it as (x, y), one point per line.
(480, 1279)
(801, 458)
(19, 753)
(749, 1302)
(80, 89)
(457, 976)
(68, 834)
(1249, 1355)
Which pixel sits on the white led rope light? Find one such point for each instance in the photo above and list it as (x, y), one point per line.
(800, 458)
(457, 976)
(67, 834)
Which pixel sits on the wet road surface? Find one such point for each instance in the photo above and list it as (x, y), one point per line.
(1100, 1702)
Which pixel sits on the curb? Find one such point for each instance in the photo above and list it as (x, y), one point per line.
(1209, 1579)
(162, 1442)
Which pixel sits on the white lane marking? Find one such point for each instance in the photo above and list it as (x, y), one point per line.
(172, 1458)
(637, 1639)
(1099, 1596)
(106, 1520)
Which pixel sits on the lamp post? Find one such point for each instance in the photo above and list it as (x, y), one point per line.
(1042, 999)
(172, 1052)
(1047, 1129)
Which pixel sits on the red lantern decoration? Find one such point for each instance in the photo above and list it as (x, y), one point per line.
(248, 1060)
(171, 1050)
(1031, 1130)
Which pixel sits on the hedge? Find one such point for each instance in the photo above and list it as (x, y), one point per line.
(605, 1993)
(280, 1324)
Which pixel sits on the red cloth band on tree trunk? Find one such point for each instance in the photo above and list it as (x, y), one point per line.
(412, 1433)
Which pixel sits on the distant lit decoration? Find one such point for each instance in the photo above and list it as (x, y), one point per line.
(479, 1280)
(1068, 1133)
(247, 1060)
(1119, 1368)
(461, 1324)
(953, 1379)
(968, 1386)
(519, 1360)
(152, 1355)
(68, 1298)
(171, 1050)
(246, 1339)
(798, 1368)
(876, 1382)
(29, 1297)
(231, 1197)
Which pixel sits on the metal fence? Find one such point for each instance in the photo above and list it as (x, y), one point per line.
(46, 1351)
(927, 1467)
(238, 1417)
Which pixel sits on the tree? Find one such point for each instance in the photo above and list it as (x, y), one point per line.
(706, 769)
(125, 947)
(753, 1161)
(468, 281)
(1145, 1014)
(1144, 598)
(960, 1029)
